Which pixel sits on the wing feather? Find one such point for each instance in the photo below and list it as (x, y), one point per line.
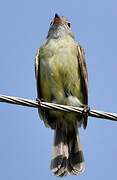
(37, 72)
(84, 74)
(84, 78)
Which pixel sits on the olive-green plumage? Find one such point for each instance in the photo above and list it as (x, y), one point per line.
(62, 78)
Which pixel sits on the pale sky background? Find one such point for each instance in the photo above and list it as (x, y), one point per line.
(25, 143)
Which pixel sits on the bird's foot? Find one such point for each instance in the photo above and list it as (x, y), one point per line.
(86, 111)
(39, 100)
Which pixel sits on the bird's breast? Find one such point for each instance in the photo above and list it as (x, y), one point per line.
(60, 75)
(60, 79)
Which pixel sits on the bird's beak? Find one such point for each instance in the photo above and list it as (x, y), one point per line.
(57, 19)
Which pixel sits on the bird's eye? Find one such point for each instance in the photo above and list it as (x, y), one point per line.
(69, 24)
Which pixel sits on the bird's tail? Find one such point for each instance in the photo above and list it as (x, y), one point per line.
(67, 153)
(60, 154)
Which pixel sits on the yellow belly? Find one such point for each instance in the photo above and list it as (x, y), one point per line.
(60, 80)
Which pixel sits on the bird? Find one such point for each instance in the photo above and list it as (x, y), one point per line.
(61, 78)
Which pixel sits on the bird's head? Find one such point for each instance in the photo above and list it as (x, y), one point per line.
(60, 27)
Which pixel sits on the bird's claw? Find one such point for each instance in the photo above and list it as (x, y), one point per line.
(86, 111)
(38, 100)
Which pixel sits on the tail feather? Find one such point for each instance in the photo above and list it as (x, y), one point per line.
(60, 154)
(67, 153)
(76, 163)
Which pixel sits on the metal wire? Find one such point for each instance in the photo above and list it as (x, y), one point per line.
(57, 107)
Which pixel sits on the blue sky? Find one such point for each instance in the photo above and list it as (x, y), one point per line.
(25, 143)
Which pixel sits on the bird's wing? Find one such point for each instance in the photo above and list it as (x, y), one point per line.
(84, 78)
(83, 71)
(37, 71)
(42, 112)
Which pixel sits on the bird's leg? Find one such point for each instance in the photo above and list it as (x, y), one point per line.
(86, 111)
(39, 103)
(39, 100)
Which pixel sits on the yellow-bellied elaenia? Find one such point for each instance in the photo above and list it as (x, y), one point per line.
(62, 78)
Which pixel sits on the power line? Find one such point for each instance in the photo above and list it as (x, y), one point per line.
(57, 107)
